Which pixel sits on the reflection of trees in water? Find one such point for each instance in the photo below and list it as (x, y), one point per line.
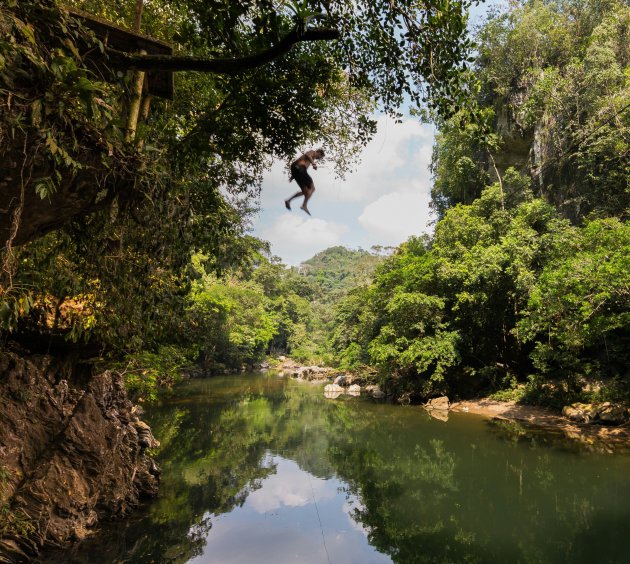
(425, 492)
(403, 486)
(435, 497)
(213, 455)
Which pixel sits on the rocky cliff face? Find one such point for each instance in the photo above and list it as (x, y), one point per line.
(70, 454)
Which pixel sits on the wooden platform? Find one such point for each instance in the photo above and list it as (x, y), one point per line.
(160, 83)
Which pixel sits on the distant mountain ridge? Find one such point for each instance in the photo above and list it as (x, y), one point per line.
(338, 269)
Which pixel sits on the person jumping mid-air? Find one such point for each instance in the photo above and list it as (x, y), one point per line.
(303, 179)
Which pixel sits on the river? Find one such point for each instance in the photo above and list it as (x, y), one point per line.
(261, 469)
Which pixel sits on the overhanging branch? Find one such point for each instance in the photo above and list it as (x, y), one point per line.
(221, 65)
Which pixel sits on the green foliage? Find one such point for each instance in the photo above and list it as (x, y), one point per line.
(336, 270)
(255, 310)
(553, 98)
(155, 263)
(507, 288)
(128, 214)
(146, 372)
(58, 118)
(458, 174)
(232, 320)
(501, 289)
(579, 310)
(337, 273)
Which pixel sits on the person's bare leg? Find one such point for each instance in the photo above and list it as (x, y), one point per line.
(308, 192)
(287, 202)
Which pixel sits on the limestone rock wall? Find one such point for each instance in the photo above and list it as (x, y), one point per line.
(70, 454)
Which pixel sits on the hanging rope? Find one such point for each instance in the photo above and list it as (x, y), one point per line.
(321, 528)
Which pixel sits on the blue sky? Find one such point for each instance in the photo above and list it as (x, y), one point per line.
(384, 202)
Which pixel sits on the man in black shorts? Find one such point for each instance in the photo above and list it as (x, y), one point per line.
(303, 179)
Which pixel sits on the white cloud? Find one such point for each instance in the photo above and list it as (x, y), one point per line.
(398, 155)
(392, 218)
(383, 202)
(291, 487)
(294, 235)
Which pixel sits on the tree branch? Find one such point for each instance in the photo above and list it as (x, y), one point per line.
(221, 65)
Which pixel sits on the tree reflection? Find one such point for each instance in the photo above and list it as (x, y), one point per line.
(425, 491)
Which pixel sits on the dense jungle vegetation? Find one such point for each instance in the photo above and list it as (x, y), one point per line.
(524, 286)
(126, 243)
(124, 213)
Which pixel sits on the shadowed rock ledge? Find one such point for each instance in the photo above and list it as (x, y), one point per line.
(71, 453)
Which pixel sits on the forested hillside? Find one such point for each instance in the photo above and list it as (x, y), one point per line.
(110, 191)
(338, 269)
(524, 287)
(264, 308)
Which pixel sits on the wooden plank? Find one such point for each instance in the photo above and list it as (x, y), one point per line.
(122, 39)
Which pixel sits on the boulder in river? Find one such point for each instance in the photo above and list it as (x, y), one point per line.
(355, 389)
(441, 403)
(332, 391)
(375, 391)
(439, 414)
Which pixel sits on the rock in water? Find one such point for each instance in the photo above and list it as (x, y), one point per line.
(441, 403)
(332, 391)
(375, 391)
(603, 412)
(145, 436)
(612, 414)
(72, 453)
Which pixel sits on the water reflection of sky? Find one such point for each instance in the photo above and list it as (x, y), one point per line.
(280, 522)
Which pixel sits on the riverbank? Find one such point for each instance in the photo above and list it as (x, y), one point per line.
(545, 418)
(530, 415)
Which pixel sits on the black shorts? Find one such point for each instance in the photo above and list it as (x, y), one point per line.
(300, 175)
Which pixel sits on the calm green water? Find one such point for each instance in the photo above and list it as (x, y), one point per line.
(262, 469)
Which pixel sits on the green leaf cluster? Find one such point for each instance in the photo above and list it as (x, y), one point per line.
(258, 309)
(499, 292)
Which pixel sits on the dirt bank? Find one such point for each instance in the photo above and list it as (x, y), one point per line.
(71, 452)
(546, 418)
(608, 437)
